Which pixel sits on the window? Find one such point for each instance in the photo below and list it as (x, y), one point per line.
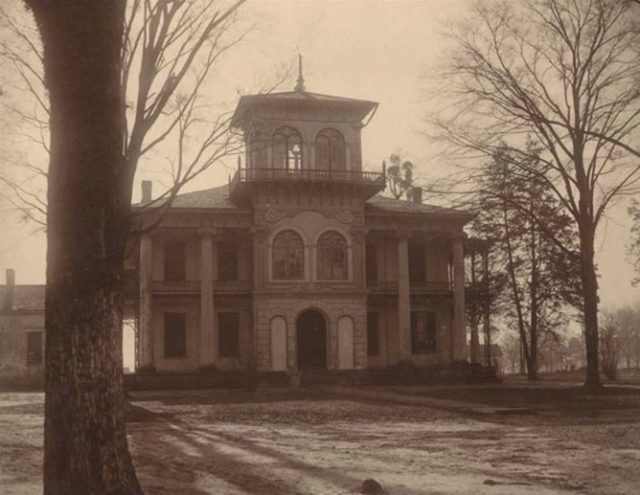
(229, 334)
(371, 262)
(332, 257)
(259, 143)
(417, 267)
(175, 335)
(330, 150)
(287, 149)
(227, 261)
(34, 348)
(423, 332)
(373, 338)
(288, 256)
(174, 260)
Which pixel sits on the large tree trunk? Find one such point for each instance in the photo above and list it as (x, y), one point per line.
(85, 445)
(590, 302)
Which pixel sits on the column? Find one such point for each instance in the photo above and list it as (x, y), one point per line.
(458, 334)
(486, 307)
(404, 297)
(475, 341)
(358, 258)
(145, 335)
(208, 334)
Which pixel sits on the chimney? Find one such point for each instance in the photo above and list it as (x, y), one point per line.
(146, 191)
(416, 194)
(10, 284)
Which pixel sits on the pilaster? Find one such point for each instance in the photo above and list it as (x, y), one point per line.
(404, 297)
(208, 333)
(458, 334)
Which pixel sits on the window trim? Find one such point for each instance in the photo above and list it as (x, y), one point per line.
(183, 243)
(272, 257)
(238, 343)
(347, 253)
(326, 134)
(415, 350)
(164, 336)
(39, 352)
(292, 133)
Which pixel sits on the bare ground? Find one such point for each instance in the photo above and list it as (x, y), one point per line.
(282, 442)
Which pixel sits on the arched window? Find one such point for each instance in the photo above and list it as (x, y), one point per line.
(288, 256)
(287, 149)
(258, 147)
(332, 256)
(330, 150)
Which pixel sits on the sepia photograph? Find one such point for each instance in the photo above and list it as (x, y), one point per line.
(319, 247)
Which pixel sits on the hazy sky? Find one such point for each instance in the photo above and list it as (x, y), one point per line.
(378, 50)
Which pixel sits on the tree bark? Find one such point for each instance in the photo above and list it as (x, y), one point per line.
(590, 301)
(85, 444)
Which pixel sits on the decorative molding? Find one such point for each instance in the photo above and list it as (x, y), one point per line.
(344, 216)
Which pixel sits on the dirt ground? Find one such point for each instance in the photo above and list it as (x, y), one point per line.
(283, 442)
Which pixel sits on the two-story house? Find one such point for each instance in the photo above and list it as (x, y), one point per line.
(299, 262)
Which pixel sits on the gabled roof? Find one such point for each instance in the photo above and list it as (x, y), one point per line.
(25, 297)
(303, 98)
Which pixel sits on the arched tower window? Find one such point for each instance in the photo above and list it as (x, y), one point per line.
(332, 256)
(330, 150)
(287, 149)
(288, 256)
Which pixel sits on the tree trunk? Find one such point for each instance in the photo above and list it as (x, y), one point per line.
(85, 444)
(590, 302)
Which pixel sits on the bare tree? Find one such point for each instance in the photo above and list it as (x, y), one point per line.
(565, 73)
(170, 52)
(88, 53)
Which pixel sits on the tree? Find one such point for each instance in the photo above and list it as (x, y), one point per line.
(610, 346)
(92, 163)
(565, 73)
(634, 247)
(399, 176)
(539, 280)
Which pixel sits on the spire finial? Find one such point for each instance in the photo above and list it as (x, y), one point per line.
(300, 82)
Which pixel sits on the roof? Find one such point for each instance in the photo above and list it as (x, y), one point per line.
(25, 297)
(214, 198)
(383, 204)
(300, 98)
(218, 198)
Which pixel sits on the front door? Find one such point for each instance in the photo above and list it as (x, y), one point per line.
(312, 340)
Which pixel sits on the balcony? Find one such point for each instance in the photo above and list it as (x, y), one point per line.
(176, 286)
(391, 287)
(371, 182)
(193, 287)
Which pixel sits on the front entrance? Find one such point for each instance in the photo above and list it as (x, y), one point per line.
(312, 340)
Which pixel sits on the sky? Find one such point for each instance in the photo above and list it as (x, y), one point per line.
(385, 51)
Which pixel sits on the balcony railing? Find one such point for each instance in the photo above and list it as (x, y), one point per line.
(176, 285)
(373, 180)
(232, 286)
(382, 286)
(193, 286)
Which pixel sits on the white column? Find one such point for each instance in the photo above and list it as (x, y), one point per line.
(458, 332)
(145, 335)
(208, 334)
(404, 297)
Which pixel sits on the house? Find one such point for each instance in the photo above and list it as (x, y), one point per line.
(21, 330)
(299, 262)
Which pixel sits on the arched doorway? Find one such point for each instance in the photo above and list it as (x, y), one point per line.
(312, 340)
